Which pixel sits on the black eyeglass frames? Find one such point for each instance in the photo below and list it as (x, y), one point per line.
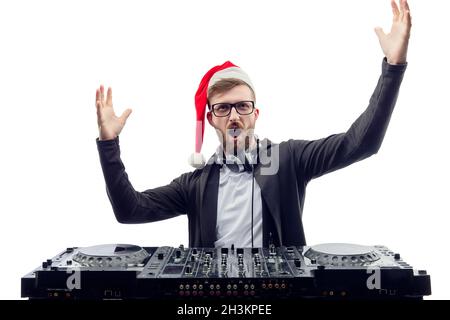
(224, 109)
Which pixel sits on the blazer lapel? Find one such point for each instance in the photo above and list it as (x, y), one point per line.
(209, 185)
(269, 183)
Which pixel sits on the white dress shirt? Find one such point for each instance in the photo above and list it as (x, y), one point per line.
(234, 207)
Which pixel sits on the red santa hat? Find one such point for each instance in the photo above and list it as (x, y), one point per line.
(225, 71)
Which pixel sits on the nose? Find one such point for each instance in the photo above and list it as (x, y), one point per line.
(234, 115)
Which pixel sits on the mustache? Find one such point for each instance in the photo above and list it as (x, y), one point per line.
(235, 125)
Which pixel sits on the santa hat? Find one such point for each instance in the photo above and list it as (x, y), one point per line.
(224, 71)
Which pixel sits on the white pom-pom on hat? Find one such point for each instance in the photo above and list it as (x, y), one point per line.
(197, 160)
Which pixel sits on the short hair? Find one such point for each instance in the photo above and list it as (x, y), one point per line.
(225, 85)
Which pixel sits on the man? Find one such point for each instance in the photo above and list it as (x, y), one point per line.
(250, 192)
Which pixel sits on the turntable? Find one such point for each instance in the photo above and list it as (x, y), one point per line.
(342, 254)
(112, 255)
(325, 271)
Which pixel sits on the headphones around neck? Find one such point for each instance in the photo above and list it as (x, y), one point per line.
(236, 167)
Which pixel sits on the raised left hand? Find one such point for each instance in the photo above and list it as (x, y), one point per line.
(395, 43)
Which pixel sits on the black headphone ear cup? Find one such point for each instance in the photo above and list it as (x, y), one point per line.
(257, 152)
(248, 166)
(223, 161)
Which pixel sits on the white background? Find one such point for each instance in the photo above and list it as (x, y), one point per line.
(314, 65)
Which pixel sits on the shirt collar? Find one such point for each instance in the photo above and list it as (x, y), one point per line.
(239, 158)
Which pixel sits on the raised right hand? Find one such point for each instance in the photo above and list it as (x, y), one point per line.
(109, 125)
(395, 43)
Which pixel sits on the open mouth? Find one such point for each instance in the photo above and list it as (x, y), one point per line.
(234, 131)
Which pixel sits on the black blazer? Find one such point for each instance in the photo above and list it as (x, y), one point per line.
(283, 193)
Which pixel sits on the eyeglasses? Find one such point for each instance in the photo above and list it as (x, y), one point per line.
(224, 109)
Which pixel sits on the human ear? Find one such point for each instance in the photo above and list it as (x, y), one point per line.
(209, 117)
